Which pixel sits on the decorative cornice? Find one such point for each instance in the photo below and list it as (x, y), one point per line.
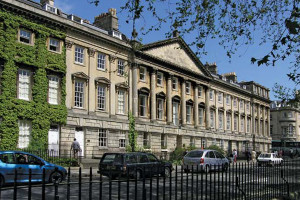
(122, 85)
(91, 52)
(69, 44)
(112, 58)
(102, 80)
(80, 75)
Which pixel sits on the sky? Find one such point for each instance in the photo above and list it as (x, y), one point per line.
(239, 63)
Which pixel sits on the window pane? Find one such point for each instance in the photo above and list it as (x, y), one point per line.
(101, 61)
(120, 68)
(24, 84)
(79, 54)
(25, 36)
(79, 94)
(53, 90)
(101, 98)
(121, 102)
(24, 133)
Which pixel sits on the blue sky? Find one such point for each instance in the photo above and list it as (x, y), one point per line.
(240, 62)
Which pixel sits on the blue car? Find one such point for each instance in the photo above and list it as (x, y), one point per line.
(22, 162)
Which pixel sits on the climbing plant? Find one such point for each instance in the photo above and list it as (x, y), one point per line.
(42, 62)
(132, 134)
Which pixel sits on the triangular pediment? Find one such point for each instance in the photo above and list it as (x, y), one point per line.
(176, 51)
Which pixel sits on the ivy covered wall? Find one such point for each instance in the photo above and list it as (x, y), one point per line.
(41, 62)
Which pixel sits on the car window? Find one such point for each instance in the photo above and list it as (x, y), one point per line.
(195, 154)
(21, 158)
(152, 158)
(143, 159)
(130, 158)
(211, 154)
(112, 158)
(7, 158)
(218, 155)
(32, 160)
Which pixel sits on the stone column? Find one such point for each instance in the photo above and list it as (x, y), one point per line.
(196, 107)
(152, 95)
(239, 115)
(253, 118)
(183, 104)
(258, 124)
(232, 114)
(112, 88)
(169, 99)
(130, 99)
(207, 111)
(134, 90)
(263, 124)
(268, 119)
(217, 110)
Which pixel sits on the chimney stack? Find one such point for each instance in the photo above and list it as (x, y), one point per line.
(175, 33)
(107, 21)
(212, 68)
(50, 2)
(230, 76)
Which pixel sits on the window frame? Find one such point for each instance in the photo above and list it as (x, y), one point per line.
(58, 50)
(188, 87)
(143, 107)
(175, 83)
(77, 81)
(142, 74)
(121, 67)
(211, 95)
(79, 55)
(50, 77)
(30, 39)
(25, 133)
(101, 61)
(189, 116)
(160, 110)
(102, 139)
(160, 79)
(29, 83)
(101, 97)
(121, 101)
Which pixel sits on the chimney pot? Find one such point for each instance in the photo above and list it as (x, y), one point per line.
(175, 33)
(50, 2)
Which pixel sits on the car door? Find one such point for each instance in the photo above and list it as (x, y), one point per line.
(8, 166)
(154, 165)
(36, 165)
(211, 159)
(143, 163)
(22, 167)
(218, 160)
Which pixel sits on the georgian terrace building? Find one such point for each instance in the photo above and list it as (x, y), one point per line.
(176, 100)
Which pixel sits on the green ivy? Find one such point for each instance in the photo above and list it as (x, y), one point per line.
(14, 55)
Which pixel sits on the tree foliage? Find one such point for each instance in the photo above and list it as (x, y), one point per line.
(235, 23)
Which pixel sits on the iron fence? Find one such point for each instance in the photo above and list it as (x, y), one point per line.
(240, 181)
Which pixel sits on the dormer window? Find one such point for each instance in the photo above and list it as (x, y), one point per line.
(51, 9)
(25, 36)
(117, 35)
(54, 45)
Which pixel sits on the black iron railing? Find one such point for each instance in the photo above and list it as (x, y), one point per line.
(239, 181)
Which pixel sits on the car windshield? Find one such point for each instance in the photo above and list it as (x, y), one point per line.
(112, 158)
(265, 156)
(195, 154)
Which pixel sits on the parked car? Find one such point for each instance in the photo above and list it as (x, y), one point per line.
(135, 164)
(22, 162)
(269, 159)
(206, 160)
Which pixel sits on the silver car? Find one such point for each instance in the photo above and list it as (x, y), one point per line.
(206, 160)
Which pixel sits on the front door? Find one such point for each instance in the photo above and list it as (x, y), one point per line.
(79, 135)
(53, 140)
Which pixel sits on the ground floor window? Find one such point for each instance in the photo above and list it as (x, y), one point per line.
(122, 142)
(24, 133)
(102, 137)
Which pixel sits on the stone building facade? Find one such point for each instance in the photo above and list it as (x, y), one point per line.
(176, 100)
(285, 122)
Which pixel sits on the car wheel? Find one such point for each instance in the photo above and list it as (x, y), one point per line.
(272, 164)
(207, 169)
(186, 170)
(56, 177)
(167, 172)
(1, 181)
(259, 164)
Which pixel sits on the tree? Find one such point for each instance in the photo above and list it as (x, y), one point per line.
(232, 22)
(132, 134)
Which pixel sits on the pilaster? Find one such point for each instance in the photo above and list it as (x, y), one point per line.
(152, 95)
(183, 103)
